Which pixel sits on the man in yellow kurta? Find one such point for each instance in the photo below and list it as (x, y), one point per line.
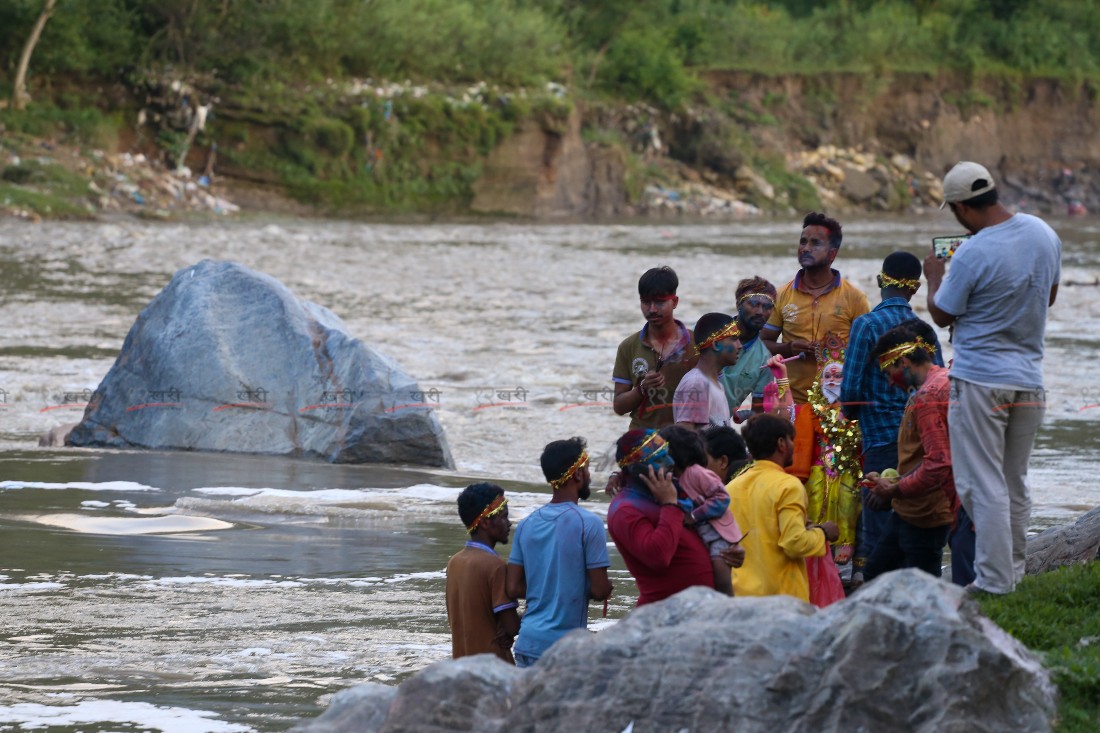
(770, 508)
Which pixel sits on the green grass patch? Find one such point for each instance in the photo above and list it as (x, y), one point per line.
(43, 203)
(1057, 615)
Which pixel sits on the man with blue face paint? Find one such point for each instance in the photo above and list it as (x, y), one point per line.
(699, 400)
(647, 523)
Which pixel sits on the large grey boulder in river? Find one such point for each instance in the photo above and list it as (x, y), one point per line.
(907, 653)
(228, 359)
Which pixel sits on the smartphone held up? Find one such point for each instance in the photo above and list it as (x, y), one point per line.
(944, 247)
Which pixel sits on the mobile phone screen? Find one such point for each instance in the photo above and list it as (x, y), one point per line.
(944, 247)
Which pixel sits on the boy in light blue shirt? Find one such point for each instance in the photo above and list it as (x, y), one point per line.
(559, 555)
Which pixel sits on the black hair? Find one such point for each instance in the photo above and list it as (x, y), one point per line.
(473, 500)
(814, 219)
(920, 328)
(685, 446)
(722, 440)
(755, 284)
(657, 282)
(709, 324)
(762, 433)
(902, 265)
(558, 456)
(982, 200)
(903, 333)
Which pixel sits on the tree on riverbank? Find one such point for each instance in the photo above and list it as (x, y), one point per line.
(19, 96)
(396, 103)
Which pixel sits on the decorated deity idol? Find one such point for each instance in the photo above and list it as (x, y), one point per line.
(827, 459)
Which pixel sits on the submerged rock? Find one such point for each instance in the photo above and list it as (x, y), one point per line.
(228, 359)
(907, 653)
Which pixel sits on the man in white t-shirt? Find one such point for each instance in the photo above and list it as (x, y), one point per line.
(699, 400)
(1001, 283)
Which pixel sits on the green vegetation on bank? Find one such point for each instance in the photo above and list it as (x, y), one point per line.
(281, 70)
(1055, 614)
(646, 49)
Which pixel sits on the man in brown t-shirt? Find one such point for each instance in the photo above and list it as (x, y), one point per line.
(649, 364)
(923, 497)
(482, 617)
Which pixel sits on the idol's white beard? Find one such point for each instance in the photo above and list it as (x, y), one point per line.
(831, 392)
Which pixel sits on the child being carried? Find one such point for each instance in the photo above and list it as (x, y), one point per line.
(707, 504)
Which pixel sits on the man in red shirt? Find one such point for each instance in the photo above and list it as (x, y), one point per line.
(923, 498)
(647, 524)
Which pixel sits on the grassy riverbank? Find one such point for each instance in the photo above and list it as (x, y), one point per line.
(1056, 614)
(393, 106)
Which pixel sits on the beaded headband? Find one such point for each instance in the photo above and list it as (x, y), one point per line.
(901, 350)
(895, 282)
(496, 506)
(765, 296)
(730, 329)
(636, 455)
(581, 462)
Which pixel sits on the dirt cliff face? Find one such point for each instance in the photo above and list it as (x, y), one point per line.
(548, 174)
(1034, 134)
(1039, 137)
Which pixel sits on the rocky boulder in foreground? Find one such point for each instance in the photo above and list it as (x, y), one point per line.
(907, 653)
(228, 359)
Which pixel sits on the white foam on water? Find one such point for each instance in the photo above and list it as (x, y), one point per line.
(424, 500)
(95, 504)
(31, 716)
(173, 524)
(30, 586)
(81, 485)
(429, 575)
(224, 581)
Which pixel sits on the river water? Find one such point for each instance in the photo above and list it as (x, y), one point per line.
(198, 592)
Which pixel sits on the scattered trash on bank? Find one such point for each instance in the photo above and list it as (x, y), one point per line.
(54, 180)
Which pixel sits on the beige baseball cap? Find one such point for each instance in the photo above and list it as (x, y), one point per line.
(965, 181)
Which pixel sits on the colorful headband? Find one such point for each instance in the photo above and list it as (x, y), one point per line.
(496, 506)
(636, 455)
(888, 281)
(730, 329)
(765, 296)
(580, 463)
(901, 350)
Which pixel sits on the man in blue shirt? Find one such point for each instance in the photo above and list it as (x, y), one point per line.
(996, 294)
(559, 555)
(755, 303)
(867, 395)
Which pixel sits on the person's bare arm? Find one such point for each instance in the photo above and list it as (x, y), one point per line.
(599, 584)
(515, 582)
(509, 625)
(934, 269)
(627, 398)
(1053, 293)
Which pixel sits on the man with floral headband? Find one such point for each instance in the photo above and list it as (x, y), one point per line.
(923, 498)
(559, 555)
(481, 615)
(755, 302)
(700, 400)
(866, 394)
(646, 523)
